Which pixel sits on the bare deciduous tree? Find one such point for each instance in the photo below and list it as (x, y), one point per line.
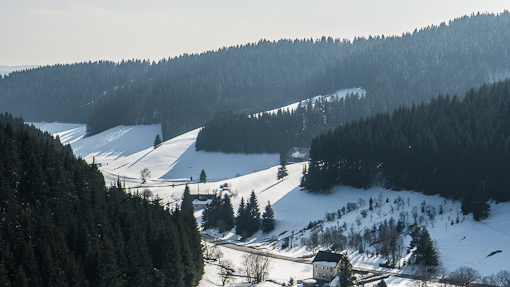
(227, 271)
(313, 242)
(212, 252)
(502, 278)
(145, 174)
(465, 274)
(256, 267)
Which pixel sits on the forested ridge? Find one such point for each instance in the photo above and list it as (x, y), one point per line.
(449, 58)
(185, 92)
(182, 93)
(65, 92)
(276, 132)
(61, 226)
(457, 148)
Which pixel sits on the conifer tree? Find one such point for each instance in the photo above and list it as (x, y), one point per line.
(253, 214)
(157, 141)
(219, 213)
(268, 221)
(227, 213)
(187, 201)
(302, 182)
(211, 213)
(425, 251)
(240, 221)
(203, 176)
(282, 171)
(345, 270)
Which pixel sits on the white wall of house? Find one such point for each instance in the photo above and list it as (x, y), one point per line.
(324, 272)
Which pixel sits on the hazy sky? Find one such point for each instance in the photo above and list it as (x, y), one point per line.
(45, 32)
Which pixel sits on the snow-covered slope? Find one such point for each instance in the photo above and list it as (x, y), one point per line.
(125, 150)
(338, 94)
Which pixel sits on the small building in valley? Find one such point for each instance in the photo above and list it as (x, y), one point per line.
(327, 265)
(298, 154)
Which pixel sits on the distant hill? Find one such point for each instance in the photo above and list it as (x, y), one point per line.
(182, 93)
(185, 92)
(8, 69)
(449, 58)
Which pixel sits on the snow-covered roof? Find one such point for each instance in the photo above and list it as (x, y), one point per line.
(299, 153)
(324, 257)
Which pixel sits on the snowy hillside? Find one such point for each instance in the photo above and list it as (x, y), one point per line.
(124, 151)
(338, 94)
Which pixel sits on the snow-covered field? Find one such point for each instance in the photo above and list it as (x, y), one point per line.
(125, 150)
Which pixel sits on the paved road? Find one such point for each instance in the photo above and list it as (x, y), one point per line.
(309, 260)
(253, 250)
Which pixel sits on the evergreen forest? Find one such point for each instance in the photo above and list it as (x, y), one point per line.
(61, 226)
(458, 148)
(185, 92)
(181, 93)
(276, 132)
(446, 59)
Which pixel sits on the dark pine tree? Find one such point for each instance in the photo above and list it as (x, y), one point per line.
(253, 212)
(157, 141)
(227, 213)
(241, 220)
(203, 176)
(211, 213)
(425, 251)
(187, 201)
(282, 171)
(268, 220)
